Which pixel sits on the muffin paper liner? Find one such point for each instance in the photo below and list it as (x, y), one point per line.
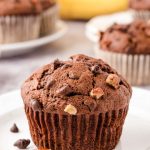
(19, 28)
(141, 14)
(48, 22)
(134, 68)
(76, 132)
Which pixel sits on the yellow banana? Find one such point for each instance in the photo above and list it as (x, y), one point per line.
(85, 9)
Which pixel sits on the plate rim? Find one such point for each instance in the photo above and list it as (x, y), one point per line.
(20, 46)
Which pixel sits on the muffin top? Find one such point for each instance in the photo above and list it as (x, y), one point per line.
(133, 38)
(23, 7)
(80, 85)
(140, 4)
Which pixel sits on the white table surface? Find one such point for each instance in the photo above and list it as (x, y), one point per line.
(14, 70)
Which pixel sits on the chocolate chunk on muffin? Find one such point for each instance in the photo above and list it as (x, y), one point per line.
(84, 107)
(132, 38)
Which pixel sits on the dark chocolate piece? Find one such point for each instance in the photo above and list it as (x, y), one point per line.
(57, 63)
(65, 66)
(14, 128)
(22, 143)
(64, 90)
(96, 69)
(36, 105)
(50, 82)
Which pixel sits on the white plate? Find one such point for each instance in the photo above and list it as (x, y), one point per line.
(100, 23)
(22, 47)
(136, 133)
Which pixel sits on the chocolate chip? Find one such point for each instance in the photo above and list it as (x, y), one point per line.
(65, 66)
(49, 83)
(36, 105)
(90, 104)
(14, 128)
(73, 75)
(17, 1)
(108, 43)
(57, 63)
(80, 57)
(64, 90)
(96, 69)
(119, 27)
(22, 143)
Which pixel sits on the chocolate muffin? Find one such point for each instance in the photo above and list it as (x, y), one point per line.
(127, 48)
(17, 18)
(132, 38)
(141, 8)
(49, 17)
(77, 104)
(21, 19)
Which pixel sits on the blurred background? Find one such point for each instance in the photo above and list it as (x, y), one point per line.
(15, 67)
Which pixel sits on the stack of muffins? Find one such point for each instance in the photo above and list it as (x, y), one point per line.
(22, 20)
(76, 105)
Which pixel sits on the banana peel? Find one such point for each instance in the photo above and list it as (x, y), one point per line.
(86, 9)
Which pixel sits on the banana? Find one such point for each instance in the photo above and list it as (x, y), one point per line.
(86, 9)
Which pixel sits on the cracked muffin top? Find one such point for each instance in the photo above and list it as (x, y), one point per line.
(23, 7)
(80, 85)
(133, 38)
(140, 4)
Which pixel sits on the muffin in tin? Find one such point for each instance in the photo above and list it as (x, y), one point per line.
(77, 104)
(140, 8)
(127, 48)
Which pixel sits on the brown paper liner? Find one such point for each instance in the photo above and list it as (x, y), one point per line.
(76, 132)
(19, 28)
(141, 14)
(135, 68)
(49, 19)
